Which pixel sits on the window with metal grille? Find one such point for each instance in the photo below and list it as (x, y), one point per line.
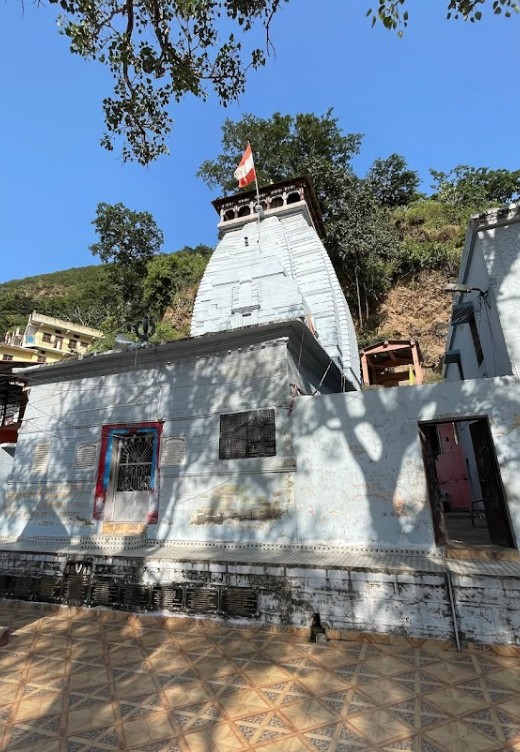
(135, 462)
(250, 434)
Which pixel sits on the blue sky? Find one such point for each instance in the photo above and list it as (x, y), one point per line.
(443, 95)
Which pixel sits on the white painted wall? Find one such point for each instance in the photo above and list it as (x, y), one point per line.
(360, 475)
(189, 397)
(348, 468)
(6, 464)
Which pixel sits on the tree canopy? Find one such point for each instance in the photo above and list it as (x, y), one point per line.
(361, 240)
(168, 274)
(128, 240)
(476, 187)
(392, 182)
(160, 50)
(394, 13)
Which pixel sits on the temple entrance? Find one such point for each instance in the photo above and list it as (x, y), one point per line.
(131, 470)
(464, 483)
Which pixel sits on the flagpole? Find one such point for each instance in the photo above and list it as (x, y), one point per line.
(257, 189)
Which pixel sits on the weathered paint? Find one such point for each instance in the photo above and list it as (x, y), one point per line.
(413, 603)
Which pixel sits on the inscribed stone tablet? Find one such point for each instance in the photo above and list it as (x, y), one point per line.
(173, 450)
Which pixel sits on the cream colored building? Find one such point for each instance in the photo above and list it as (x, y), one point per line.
(17, 353)
(47, 340)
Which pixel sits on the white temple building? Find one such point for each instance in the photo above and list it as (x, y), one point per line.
(242, 472)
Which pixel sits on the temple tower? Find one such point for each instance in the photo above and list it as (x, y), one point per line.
(271, 265)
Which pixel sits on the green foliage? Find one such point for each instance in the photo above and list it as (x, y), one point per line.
(392, 182)
(128, 240)
(164, 332)
(431, 236)
(161, 50)
(125, 236)
(359, 236)
(393, 14)
(80, 295)
(284, 147)
(86, 296)
(476, 187)
(168, 274)
(158, 51)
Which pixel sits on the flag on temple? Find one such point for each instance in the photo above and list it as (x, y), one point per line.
(245, 172)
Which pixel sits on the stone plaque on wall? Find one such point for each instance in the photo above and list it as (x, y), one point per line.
(85, 458)
(201, 600)
(41, 457)
(240, 602)
(173, 450)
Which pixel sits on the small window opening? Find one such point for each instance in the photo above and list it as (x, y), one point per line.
(135, 462)
(464, 484)
(293, 197)
(230, 214)
(244, 211)
(276, 202)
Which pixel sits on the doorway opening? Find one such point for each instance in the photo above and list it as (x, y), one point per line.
(127, 485)
(132, 466)
(464, 483)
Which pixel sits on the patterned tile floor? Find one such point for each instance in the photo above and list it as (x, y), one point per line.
(87, 681)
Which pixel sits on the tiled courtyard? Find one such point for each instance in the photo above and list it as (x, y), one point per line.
(89, 681)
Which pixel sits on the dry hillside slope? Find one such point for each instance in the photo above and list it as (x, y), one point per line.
(421, 310)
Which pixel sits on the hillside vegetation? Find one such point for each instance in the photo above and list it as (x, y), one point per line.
(431, 236)
(86, 296)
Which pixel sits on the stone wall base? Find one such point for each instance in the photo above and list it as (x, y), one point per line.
(413, 604)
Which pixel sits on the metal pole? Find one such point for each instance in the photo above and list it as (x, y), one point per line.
(453, 612)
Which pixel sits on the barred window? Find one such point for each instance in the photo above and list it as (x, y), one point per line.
(135, 464)
(250, 434)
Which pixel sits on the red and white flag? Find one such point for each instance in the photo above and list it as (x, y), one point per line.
(245, 172)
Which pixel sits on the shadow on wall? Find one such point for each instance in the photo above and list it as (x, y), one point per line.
(202, 498)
